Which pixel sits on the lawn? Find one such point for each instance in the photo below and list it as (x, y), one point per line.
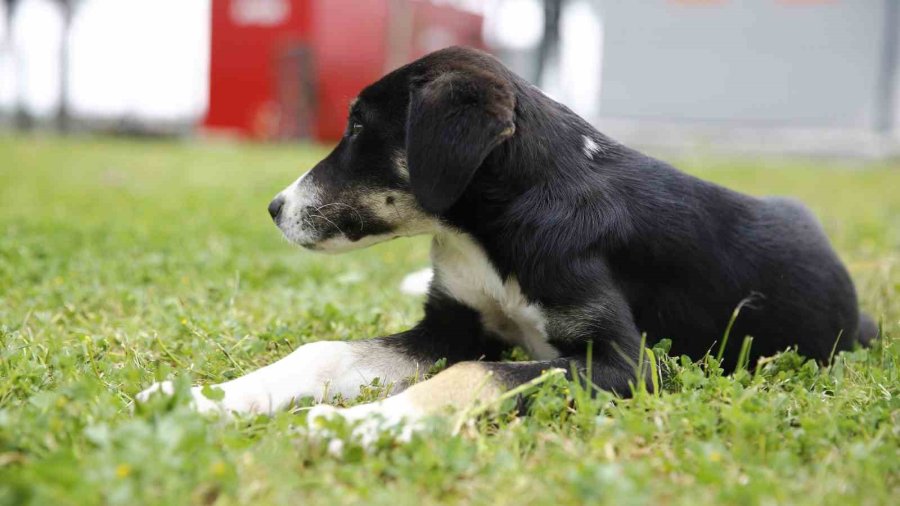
(125, 262)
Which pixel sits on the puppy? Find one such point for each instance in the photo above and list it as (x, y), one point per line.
(547, 235)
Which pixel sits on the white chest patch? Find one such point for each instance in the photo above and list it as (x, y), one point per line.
(463, 271)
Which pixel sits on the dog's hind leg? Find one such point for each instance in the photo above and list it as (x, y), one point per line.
(467, 385)
(867, 330)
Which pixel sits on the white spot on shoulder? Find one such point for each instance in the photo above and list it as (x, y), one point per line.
(590, 147)
(463, 271)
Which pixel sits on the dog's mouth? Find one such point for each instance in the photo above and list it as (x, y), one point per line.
(308, 238)
(308, 225)
(311, 246)
(317, 219)
(331, 235)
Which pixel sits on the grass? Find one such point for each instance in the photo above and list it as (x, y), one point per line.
(125, 262)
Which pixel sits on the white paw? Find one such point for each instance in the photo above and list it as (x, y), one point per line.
(165, 387)
(393, 417)
(200, 402)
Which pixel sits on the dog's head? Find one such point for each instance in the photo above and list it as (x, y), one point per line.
(413, 142)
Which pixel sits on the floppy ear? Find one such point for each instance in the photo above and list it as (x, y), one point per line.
(455, 120)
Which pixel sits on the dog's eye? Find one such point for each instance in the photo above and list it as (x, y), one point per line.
(355, 129)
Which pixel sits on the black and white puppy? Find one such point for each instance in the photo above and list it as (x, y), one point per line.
(547, 236)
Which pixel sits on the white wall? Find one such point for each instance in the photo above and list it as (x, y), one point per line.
(35, 41)
(7, 77)
(128, 58)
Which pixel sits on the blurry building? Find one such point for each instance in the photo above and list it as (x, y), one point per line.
(757, 75)
(782, 75)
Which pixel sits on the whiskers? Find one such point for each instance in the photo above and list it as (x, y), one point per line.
(317, 213)
(335, 225)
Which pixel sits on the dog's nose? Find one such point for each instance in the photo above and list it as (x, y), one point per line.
(275, 207)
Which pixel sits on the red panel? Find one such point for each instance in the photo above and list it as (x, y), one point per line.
(243, 62)
(260, 84)
(349, 46)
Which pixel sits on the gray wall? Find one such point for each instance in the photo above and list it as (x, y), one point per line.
(753, 62)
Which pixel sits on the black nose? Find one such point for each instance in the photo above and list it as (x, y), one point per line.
(275, 207)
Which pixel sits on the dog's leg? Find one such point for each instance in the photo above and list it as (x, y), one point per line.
(466, 385)
(321, 370)
(614, 367)
(324, 370)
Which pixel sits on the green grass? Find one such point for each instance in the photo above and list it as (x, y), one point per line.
(126, 262)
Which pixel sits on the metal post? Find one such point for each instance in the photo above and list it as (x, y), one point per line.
(549, 46)
(884, 115)
(8, 43)
(63, 117)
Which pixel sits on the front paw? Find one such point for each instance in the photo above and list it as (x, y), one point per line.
(199, 401)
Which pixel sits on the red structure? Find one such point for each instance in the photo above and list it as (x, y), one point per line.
(286, 69)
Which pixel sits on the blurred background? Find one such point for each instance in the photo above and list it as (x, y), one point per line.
(783, 76)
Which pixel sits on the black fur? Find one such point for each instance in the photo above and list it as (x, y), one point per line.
(611, 243)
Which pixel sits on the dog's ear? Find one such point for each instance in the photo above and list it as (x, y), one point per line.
(455, 120)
